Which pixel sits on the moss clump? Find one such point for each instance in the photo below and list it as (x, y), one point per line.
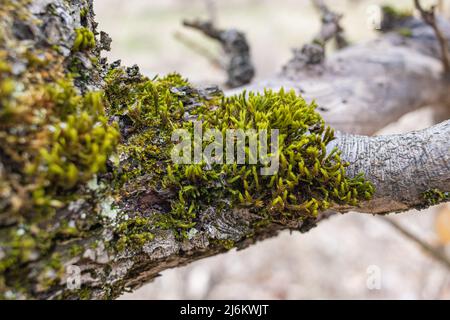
(147, 112)
(133, 233)
(76, 250)
(81, 142)
(227, 244)
(435, 196)
(54, 137)
(84, 40)
(83, 12)
(310, 178)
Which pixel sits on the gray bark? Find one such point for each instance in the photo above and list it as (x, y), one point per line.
(401, 166)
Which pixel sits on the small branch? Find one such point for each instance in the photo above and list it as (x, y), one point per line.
(199, 49)
(211, 8)
(239, 66)
(429, 18)
(432, 251)
(331, 27)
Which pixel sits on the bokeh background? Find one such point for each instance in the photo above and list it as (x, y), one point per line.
(335, 260)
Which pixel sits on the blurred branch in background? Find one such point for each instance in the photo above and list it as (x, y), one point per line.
(434, 252)
(237, 59)
(211, 8)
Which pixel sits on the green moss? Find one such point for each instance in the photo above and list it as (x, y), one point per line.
(84, 40)
(310, 178)
(435, 196)
(227, 244)
(83, 12)
(66, 231)
(133, 233)
(53, 139)
(78, 146)
(84, 293)
(22, 245)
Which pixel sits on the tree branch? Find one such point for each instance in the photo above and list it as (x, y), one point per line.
(430, 18)
(429, 249)
(239, 66)
(402, 168)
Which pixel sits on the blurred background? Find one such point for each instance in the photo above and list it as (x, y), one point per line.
(352, 256)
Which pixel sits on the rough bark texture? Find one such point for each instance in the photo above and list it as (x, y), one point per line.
(359, 90)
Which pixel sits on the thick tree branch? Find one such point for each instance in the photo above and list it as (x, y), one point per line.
(402, 168)
(362, 88)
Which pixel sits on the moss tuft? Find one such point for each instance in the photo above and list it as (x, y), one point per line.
(84, 40)
(395, 13)
(405, 32)
(310, 178)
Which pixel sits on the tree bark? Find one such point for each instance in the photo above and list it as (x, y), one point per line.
(359, 90)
